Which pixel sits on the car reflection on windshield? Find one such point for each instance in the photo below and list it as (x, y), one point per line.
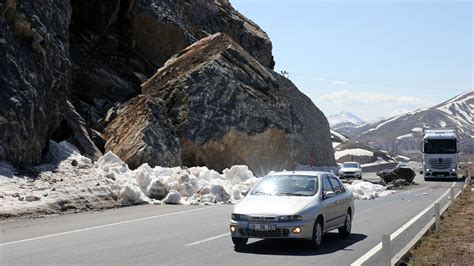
(287, 186)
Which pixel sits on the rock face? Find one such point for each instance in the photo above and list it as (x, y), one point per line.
(143, 133)
(34, 75)
(164, 27)
(118, 44)
(224, 106)
(81, 136)
(315, 146)
(74, 70)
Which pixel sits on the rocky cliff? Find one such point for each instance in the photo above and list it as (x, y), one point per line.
(34, 75)
(73, 69)
(314, 147)
(225, 107)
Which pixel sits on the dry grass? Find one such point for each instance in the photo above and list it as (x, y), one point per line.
(454, 244)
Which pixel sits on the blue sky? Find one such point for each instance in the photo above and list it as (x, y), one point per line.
(373, 58)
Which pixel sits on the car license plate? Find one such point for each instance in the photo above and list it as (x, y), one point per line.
(262, 227)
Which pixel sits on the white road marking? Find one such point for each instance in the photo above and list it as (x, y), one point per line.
(105, 225)
(206, 240)
(378, 247)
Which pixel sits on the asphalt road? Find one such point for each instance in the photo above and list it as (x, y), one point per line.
(197, 235)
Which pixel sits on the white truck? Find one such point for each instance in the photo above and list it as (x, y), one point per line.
(440, 154)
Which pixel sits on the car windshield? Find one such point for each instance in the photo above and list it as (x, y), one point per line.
(350, 165)
(440, 146)
(287, 185)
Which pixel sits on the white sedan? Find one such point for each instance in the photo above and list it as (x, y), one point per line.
(302, 205)
(350, 169)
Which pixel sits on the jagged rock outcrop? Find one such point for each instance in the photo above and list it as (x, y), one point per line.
(118, 44)
(142, 133)
(161, 28)
(34, 75)
(81, 138)
(224, 106)
(315, 146)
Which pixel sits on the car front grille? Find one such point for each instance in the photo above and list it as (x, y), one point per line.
(262, 218)
(441, 163)
(274, 233)
(348, 173)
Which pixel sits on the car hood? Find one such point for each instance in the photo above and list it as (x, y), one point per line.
(272, 205)
(350, 169)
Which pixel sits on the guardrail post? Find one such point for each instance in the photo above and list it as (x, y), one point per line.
(451, 190)
(437, 217)
(386, 250)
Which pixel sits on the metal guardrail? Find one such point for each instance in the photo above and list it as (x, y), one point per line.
(435, 222)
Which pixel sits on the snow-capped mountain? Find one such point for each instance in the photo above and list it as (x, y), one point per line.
(402, 133)
(343, 119)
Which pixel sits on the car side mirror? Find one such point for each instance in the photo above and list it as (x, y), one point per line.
(421, 172)
(329, 194)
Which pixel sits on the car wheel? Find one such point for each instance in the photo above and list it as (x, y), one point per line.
(239, 241)
(317, 234)
(345, 230)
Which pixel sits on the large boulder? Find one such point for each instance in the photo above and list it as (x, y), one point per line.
(34, 76)
(315, 147)
(398, 173)
(225, 107)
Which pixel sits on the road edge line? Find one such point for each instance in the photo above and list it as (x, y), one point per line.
(378, 247)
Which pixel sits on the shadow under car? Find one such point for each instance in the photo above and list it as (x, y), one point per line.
(332, 242)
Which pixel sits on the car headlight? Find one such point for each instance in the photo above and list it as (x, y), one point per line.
(289, 218)
(239, 217)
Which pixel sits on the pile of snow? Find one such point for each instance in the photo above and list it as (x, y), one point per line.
(195, 185)
(366, 191)
(70, 181)
(355, 152)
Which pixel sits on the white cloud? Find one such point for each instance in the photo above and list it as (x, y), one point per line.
(354, 97)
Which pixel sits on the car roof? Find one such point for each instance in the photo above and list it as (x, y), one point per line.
(307, 173)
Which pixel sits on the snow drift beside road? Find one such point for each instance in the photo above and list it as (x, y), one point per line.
(70, 182)
(366, 191)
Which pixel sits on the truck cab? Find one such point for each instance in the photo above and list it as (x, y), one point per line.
(440, 154)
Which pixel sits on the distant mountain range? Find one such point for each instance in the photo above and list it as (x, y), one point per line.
(402, 134)
(344, 119)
